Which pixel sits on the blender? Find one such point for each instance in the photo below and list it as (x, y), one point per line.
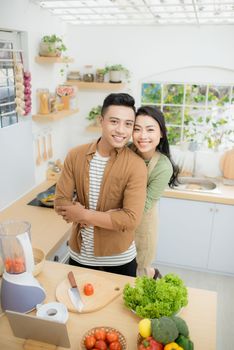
(20, 291)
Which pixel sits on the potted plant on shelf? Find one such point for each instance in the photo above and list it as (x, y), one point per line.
(94, 116)
(115, 73)
(51, 46)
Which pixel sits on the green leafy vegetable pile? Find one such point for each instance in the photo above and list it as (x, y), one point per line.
(156, 298)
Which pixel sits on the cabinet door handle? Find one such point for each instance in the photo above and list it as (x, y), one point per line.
(216, 210)
(211, 209)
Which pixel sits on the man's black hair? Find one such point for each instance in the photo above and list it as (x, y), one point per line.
(119, 99)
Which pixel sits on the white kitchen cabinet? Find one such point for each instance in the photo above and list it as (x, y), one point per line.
(184, 232)
(196, 234)
(221, 255)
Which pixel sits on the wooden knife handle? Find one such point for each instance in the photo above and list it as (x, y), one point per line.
(72, 280)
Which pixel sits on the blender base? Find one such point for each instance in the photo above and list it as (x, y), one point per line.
(21, 297)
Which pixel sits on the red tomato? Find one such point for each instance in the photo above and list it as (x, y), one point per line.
(8, 264)
(101, 345)
(18, 265)
(100, 334)
(143, 347)
(115, 346)
(112, 336)
(90, 341)
(88, 289)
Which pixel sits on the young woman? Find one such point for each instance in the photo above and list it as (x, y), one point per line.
(151, 143)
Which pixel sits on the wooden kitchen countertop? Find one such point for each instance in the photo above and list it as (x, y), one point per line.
(200, 314)
(48, 229)
(225, 195)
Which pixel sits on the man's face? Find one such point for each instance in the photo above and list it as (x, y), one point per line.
(117, 126)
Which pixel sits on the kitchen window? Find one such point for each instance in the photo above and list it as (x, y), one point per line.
(194, 112)
(9, 54)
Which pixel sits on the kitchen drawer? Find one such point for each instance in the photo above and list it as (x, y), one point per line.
(61, 254)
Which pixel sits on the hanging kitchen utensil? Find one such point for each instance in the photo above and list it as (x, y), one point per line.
(50, 149)
(39, 158)
(45, 156)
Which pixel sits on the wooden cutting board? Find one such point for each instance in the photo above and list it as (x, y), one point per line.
(227, 164)
(105, 290)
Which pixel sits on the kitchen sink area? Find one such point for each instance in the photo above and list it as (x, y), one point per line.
(197, 184)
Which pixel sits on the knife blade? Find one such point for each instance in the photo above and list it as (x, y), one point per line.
(74, 293)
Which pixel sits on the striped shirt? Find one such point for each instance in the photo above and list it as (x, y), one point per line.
(86, 256)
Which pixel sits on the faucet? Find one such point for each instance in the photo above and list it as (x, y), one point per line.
(193, 148)
(194, 163)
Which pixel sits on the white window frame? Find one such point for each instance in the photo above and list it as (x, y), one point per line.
(206, 107)
(14, 39)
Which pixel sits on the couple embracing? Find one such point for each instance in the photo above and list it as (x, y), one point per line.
(118, 185)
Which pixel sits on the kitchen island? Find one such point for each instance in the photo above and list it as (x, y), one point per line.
(200, 314)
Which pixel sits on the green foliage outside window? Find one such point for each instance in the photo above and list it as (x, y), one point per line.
(195, 94)
(216, 129)
(173, 135)
(173, 94)
(202, 112)
(151, 93)
(219, 95)
(173, 115)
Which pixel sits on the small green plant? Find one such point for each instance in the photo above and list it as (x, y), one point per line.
(118, 68)
(54, 42)
(93, 115)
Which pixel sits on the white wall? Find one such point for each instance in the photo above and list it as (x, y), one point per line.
(17, 143)
(146, 51)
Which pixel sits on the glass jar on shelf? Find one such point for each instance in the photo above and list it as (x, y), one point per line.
(88, 75)
(100, 74)
(43, 101)
(74, 75)
(52, 103)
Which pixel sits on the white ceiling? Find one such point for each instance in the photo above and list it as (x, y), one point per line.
(142, 12)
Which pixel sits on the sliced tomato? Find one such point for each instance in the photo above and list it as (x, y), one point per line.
(88, 289)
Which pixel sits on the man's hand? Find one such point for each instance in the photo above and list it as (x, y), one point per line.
(72, 213)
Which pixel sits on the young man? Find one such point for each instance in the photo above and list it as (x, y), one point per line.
(110, 181)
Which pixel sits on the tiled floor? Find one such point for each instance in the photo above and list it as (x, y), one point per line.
(224, 286)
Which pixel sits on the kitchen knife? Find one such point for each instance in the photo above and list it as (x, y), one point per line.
(74, 293)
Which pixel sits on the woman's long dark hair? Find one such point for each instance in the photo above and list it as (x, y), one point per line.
(163, 145)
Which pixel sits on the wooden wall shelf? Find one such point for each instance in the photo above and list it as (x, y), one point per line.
(83, 85)
(43, 59)
(92, 128)
(52, 117)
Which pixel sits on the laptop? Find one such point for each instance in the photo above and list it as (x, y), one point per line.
(36, 328)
